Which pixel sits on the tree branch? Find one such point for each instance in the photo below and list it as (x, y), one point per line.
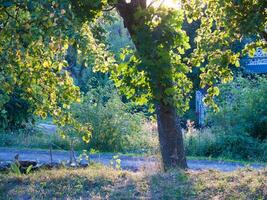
(109, 9)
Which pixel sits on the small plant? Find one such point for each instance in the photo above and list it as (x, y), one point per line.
(28, 170)
(116, 162)
(84, 156)
(16, 168)
(93, 151)
(190, 126)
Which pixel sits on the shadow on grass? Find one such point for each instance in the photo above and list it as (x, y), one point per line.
(93, 183)
(100, 182)
(173, 184)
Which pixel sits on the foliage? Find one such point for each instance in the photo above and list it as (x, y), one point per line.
(213, 55)
(117, 36)
(115, 162)
(238, 130)
(16, 112)
(138, 76)
(32, 33)
(115, 128)
(87, 9)
(243, 108)
(222, 24)
(15, 168)
(213, 143)
(33, 138)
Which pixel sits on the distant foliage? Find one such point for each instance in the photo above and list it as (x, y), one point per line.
(212, 143)
(243, 108)
(239, 129)
(117, 36)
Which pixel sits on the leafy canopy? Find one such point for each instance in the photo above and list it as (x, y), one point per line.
(161, 44)
(34, 37)
(222, 23)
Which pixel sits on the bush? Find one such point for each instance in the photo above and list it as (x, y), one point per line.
(239, 129)
(115, 126)
(16, 112)
(211, 143)
(243, 108)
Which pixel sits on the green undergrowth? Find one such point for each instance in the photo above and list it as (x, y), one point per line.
(34, 138)
(210, 143)
(100, 182)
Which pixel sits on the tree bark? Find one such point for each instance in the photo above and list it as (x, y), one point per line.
(170, 137)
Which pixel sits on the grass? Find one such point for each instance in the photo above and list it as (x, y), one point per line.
(225, 159)
(34, 138)
(100, 182)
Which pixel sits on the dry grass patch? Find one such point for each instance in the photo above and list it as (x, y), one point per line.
(94, 182)
(99, 182)
(241, 184)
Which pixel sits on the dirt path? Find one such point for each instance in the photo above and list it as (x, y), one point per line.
(127, 162)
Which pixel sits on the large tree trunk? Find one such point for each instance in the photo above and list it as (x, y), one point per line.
(170, 133)
(170, 137)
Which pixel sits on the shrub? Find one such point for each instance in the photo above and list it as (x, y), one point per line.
(115, 126)
(239, 129)
(209, 143)
(243, 108)
(33, 137)
(16, 113)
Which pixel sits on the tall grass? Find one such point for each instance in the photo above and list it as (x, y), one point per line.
(34, 138)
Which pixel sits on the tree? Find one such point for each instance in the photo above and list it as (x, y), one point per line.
(159, 61)
(34, 36)
(161, 43)
(158, 36)
(222, 24)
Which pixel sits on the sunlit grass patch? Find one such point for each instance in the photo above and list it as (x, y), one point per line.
(240, 184)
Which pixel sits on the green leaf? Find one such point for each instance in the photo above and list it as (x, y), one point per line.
(237, 63)
(28, 170)
(216, 91)
(15, 169)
